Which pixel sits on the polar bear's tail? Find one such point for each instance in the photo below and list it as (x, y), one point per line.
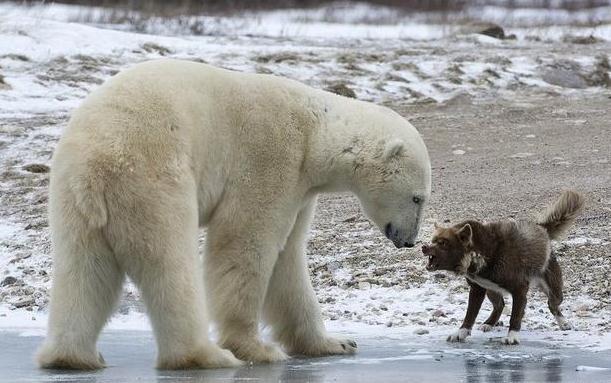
(88, 194)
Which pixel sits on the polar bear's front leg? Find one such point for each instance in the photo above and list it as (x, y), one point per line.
(291, 307)
(237, 274)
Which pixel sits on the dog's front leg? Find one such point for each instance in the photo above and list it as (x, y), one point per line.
(517, 312)
(476, 297)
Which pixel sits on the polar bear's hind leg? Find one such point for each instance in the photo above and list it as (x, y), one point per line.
(157, 246)
(86, 286)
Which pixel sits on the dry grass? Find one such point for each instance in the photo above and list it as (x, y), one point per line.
(3, 84)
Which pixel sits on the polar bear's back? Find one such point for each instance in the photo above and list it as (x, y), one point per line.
(161, 119)
(159, 98)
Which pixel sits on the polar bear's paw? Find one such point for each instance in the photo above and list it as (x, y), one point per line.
(210, 356)
(327, 346)
(51, 358)
(256, 351)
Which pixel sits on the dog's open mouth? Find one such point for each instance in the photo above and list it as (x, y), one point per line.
(432, 265)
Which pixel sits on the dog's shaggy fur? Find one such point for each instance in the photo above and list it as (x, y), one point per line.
(505, 257)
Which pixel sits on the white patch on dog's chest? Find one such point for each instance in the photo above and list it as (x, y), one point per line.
(487, 284)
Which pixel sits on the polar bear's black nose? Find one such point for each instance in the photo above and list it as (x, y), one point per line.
(388, 230)
(408, 244)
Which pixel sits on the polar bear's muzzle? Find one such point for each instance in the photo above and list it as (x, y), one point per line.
(397, 236)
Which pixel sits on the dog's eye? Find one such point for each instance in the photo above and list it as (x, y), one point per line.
(442, 243)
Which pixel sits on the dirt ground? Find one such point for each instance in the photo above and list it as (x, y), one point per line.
(536, 123)
(491, 159)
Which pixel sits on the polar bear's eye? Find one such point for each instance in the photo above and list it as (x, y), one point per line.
(416, 200)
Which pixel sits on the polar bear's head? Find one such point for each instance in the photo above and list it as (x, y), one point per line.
(394, 184)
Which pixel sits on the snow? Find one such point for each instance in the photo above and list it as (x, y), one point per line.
(591, 368)
(581, 241)
(63, 61)
(7, 231)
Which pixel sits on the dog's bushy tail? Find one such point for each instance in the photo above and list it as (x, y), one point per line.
(558, 217)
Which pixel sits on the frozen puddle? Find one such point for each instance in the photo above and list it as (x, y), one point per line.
(394, 357)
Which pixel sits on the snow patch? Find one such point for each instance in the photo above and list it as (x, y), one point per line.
(591, 368)
(583, 241)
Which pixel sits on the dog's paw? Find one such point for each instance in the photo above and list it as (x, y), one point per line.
(512, 338)
(486, 327)
(563, 323)
(459, 336)
(565, 326)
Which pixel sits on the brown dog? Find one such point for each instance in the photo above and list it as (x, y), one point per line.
(505, 257)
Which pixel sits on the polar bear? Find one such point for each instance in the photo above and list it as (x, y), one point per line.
(169, 146)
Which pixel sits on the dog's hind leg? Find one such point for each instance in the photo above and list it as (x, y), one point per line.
(553, 279)
(498, 304)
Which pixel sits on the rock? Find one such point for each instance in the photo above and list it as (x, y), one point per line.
(421, 331)
(584, 40)
(521, 155)
(600, 75)
(565, 73)
(493, 30)
(564, 78)
(438, 313)
(389, 324)
(351, 219)
(333, 266)
(153, 47)
(278, 57)
(24, 302)
(8, 281)
(3, 84)
(364, 285)
(487, 29)
(36, 168)
(342, 89)
(124, 309)
(379, 272)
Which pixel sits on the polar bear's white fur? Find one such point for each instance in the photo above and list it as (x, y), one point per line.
(168, 146)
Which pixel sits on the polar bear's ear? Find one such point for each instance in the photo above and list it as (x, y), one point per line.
(393, 148)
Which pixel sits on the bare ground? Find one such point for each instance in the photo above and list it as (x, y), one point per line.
(506, 153)
(491, 159)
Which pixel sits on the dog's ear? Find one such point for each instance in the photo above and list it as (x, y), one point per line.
(465, 234)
